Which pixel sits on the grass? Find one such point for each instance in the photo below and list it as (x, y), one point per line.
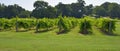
(50, 41)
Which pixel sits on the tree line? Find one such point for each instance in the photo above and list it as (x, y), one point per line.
(79, 9)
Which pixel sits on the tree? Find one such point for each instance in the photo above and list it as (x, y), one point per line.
(108, 9)
(99, 11)
(24, 14)
(78, 9)
(51, 12)
(40, 4)
(2, 9)
(64, 9)
(88, 9)
(11, 11)
(106, 5)
(114, 10)
(40, 9)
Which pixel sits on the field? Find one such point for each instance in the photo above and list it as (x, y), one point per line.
(80, 25)
(50, 41)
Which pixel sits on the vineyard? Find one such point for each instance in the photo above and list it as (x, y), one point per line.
(60, 34)
(64, 24)
(59, 25)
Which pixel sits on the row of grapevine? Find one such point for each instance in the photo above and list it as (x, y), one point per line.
(64, 24)
(26, 23)
(5, 24)
(106, 24)
(85, 25)
(46, 24)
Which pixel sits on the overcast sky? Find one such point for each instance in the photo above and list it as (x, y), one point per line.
(28, 4)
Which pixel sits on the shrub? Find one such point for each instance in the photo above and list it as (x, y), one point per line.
(106, 24)
(85, 25)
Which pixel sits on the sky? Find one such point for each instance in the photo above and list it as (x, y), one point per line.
(28, 4)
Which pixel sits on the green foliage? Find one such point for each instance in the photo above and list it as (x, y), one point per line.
(106, 24)
(8, 24)
(65, 24)
(5, 24)
(2, 23)
(43, 10)
(42, 24)
(85, 25)
(46, 23)
(108, 9)
(74, 22)
(12, 11)
(25, 23)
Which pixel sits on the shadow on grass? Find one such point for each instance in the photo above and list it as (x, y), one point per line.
(86, 32)
(62, 32)
(22, 31)
(42, 31)
(108, 33)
